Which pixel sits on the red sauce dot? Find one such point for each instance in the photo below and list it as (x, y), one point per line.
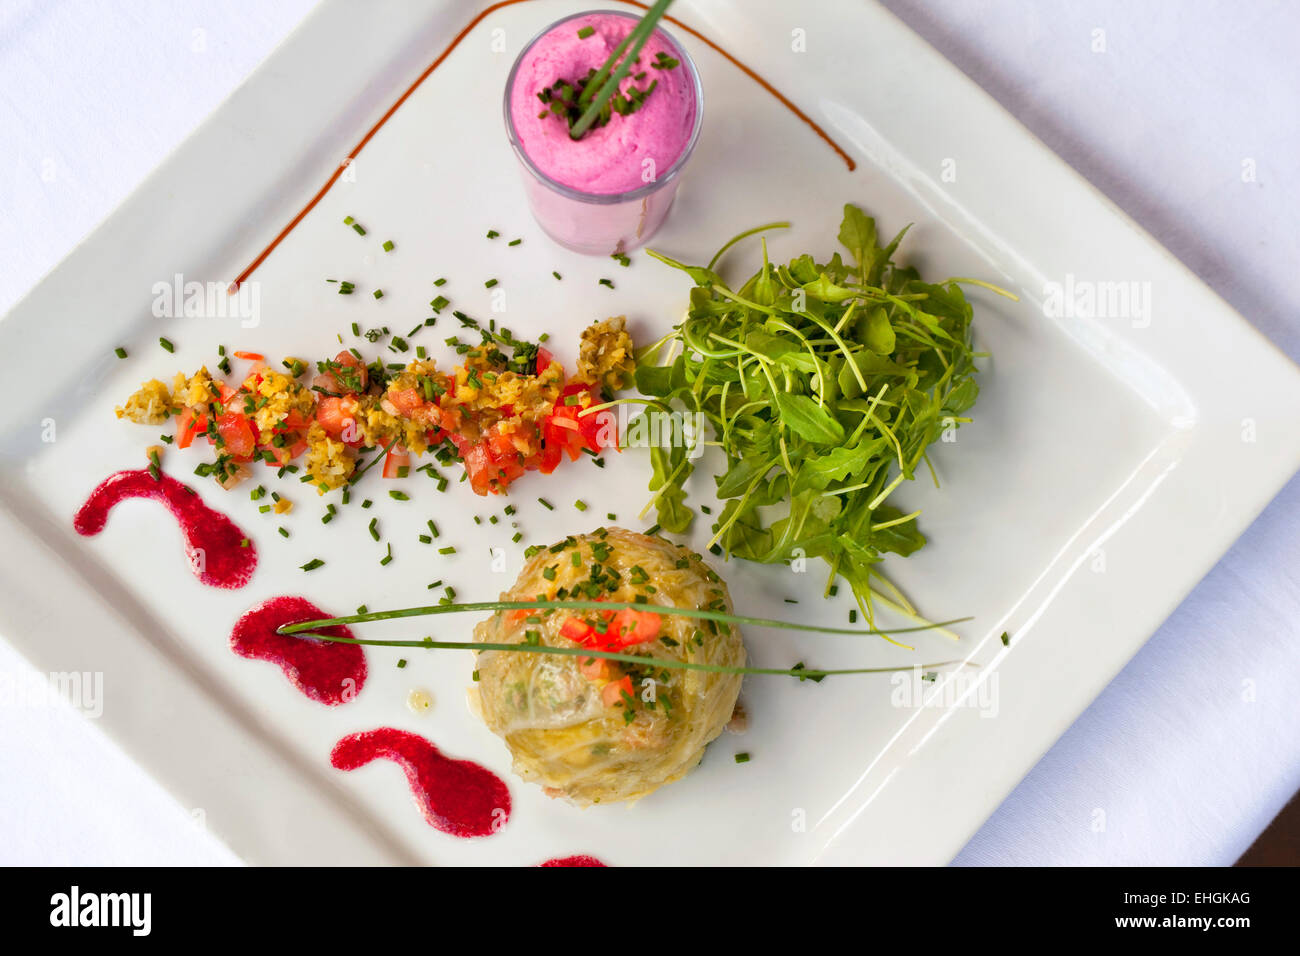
(219, 553)
(458, 797)
(579, 860)
(326, 672)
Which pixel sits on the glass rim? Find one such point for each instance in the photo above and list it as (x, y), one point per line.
(605, 198)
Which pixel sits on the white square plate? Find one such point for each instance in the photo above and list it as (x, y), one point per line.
(1112, 460)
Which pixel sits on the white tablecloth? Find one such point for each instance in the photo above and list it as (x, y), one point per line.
(1192, 749)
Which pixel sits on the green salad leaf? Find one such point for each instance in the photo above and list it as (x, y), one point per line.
(824, 383)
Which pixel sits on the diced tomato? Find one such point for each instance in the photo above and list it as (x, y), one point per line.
(573, 431)
(613, 692)
(544, 359)
(492, 462)
(395, 459)
(549, 458)
(351, 361)
(250, 356)
(294, 421)
(189, 425)
(227, 393)
(407, 401)
(630, 627)
(576, 630)
(478, 465)
(595, 668)
(337, 415)
(281, 456)
(237, 433)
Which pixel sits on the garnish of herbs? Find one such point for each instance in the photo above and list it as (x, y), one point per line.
(595, 98)
(310, 629)
(825, 383)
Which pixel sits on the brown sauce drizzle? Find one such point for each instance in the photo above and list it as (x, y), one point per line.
(356, 150)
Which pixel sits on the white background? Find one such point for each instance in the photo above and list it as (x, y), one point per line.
(1168, 110)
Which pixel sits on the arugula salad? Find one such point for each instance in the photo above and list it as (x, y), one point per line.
(824, 384)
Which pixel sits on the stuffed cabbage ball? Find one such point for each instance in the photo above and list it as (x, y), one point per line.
(593, 730)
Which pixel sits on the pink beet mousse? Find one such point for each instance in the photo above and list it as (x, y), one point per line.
(628, 152)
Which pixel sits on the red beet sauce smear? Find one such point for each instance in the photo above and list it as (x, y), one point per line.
(456, 796)
(219, 552)
(325, 672)
(580, 860)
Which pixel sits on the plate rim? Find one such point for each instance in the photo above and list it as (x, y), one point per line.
(40, 639)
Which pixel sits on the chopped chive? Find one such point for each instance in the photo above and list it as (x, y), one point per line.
(401, 662)
(399, 495)
(514, 242)
(586, 32)
(439, 282)
(580, 505)
(1006, 639)
(388, 245)
(167, 345)
(360, 229)
(490, 283)
(379, 293)
(742, 757)
(313, 564)
(546, 504)
(492, 234)
(558, 277)
(374, 529)
(608, 283)
(284, 532)
(384, 561)
(450, 549)
(120, 353)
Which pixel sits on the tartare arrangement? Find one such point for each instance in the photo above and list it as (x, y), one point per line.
(505, 410)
